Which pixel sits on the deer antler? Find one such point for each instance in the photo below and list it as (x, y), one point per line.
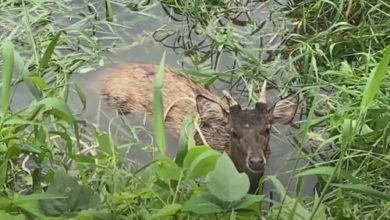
(263, 93)
(229, 98)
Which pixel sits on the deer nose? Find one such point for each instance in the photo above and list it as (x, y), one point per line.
(256, 163)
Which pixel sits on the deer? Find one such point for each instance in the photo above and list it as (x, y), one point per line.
(244, 134)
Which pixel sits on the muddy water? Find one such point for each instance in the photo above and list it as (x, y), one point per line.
(135, 44)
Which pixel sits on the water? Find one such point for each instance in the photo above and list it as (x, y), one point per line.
(133, 37)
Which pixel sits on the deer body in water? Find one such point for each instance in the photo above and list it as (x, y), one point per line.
(224, 126)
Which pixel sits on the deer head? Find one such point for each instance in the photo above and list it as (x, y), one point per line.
(249, 129)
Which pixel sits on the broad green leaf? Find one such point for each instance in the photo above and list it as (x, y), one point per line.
(31, 207)
(5, 203)
(193, 153)
(199, 161)
(8, 68)
(167, 210)
(29, 203)
(203, 164)
(247, 201)
(158, 109)
(375, 80)
(226, 183)
(202, 203)
(82, 197)
(78, 197)
(60, 108)
(167, 169)
(4, 215)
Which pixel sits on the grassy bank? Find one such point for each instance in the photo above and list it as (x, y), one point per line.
(340, 50)
(334, 53)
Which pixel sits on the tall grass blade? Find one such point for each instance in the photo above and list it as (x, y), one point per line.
(158, 108)
(81, 94)
(3, 172)
(49, 51)
(185, 132)
(109, 14)
(366, 190)
(375, 79)
(8, 68)
(328, 171)
(25, 74)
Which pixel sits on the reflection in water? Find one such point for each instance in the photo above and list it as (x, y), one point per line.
(146, 34)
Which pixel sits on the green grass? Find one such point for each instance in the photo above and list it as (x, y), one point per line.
(336, 56)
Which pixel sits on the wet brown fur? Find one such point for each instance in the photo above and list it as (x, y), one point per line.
(129, 88)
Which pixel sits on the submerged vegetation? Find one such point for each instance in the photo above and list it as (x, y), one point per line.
(335, 53)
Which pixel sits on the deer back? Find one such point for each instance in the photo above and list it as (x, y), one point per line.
(129, 88)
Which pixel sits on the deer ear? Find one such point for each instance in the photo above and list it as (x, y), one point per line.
(284, 110)
(210, 112)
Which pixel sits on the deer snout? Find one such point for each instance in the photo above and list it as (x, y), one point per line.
(256, 163)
